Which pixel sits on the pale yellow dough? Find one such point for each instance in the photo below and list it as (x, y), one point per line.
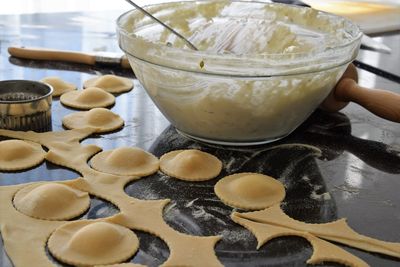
(19, 155)
(21, 233)
(73, 156)
(126, 161)
(323, 250)
(128, 264)
(18, 230)
(89, 98)
(92, 243)
(190, 165)
(103, 120)
(59, 86)
(337, 231)
(110, 83)
(51, 201)
(249, 191)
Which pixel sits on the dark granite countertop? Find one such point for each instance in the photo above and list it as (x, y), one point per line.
(357, 176)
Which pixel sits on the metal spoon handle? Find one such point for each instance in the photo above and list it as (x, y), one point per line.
(164, 25)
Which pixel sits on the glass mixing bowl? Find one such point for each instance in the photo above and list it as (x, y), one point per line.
(260, 71)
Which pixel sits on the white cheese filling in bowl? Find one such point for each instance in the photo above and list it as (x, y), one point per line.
(260, 70)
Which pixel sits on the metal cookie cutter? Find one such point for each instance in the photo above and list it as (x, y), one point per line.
(25, 105)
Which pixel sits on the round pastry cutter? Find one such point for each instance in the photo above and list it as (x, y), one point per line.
(25, 105)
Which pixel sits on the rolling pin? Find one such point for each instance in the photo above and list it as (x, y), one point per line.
(68, 56)
(382, 103)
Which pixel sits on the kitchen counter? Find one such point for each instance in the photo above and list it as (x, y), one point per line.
(357, 176)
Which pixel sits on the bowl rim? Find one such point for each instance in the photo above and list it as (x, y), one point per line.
(255, 77)
(26, 84)
(206, 55)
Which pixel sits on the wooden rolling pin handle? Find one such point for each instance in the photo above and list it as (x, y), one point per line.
(384, 104)
(47, 54)
(125, 62)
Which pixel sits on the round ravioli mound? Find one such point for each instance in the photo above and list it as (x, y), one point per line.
(103, 120)
(18, 155)
(110, 83)
(59, 86)
(249, 191)
(127, 264)
(51, 201)
(125, 161)
(190, 165)
(92, 243)
(89, 98)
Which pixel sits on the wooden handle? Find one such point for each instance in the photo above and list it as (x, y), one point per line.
(331, 102)
(48, 54)
(125, 62)
(384, 104)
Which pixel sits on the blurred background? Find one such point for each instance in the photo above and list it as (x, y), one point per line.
(45, 6)
(42, 6)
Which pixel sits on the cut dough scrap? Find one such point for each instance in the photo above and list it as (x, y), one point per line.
(103, 120)
(322, 251)
(19, 155)
(59, 86)
(70, 136)
(51, 201)
(92, 243)
(73, 156)
(110, 83)
(337, 231)
(128, 264)
(249, 191)
(125, 161)
(19, 231)
(89, 98)
(190, 165)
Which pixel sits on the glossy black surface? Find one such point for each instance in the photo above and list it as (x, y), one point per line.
(357, 176)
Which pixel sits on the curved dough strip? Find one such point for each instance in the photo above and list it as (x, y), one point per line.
(185, 250)
(19, 155)
(249, 191)
(110, 83)
(59, 86)
(92, 243)
(69, 136)
(89, 98)
(51, 201)
(128, 264)
(322, 251)
(103, 120)
(73, 156)
(125, 161)
(190, 165)
(337, 231)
